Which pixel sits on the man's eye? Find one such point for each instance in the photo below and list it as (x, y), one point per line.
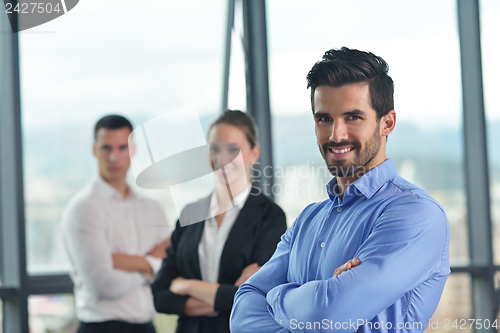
(324, 119)
(354, 117)
(234, 150)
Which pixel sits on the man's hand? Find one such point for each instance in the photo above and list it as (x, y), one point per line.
(131, 263)
(160, 250)
(179, 286)
(247, 272)
(347, 266)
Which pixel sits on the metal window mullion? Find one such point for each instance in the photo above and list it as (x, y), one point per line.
(476, 162)
(227, 56)
(12, 242)
(257, 84)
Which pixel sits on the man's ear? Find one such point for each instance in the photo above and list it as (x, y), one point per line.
(94, 150)
(387, 123)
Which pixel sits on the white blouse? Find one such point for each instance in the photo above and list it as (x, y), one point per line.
(214, 237)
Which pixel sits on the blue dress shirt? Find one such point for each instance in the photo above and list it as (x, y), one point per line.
(401, 236)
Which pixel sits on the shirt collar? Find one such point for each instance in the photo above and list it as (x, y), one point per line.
(368, 184)
(107, 191)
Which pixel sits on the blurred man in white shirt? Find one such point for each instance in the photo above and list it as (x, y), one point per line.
(115, 240)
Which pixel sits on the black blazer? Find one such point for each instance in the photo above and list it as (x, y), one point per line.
(252, 239)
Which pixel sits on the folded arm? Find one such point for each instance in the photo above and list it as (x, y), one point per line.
(85, 239)
(171, 292)
(189, 294)
(149, 264)
(407, 238)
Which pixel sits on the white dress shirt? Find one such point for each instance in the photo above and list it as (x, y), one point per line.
(98, 222)
(214, 237)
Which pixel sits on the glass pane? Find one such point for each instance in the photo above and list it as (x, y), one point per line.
(140, 64)
(427, 142)
(490, 33)
(52, 313)
(454, 309)
(1, 315)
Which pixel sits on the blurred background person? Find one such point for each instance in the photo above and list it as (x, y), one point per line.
(110, 240)
(208, 261)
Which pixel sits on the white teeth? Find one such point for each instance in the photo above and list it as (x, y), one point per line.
(341, 151)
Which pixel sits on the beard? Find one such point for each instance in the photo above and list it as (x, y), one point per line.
(340, 168)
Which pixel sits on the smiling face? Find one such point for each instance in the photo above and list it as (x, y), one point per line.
(350, 137)
(226, 143)
(112, 152)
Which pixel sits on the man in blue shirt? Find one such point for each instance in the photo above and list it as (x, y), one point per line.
(391, 235)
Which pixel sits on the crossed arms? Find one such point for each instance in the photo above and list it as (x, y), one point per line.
(131, 263)
(202, 294)
(107, 275)
(272, 298)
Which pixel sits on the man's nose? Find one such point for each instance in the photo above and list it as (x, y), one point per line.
(113, 155)
(339, 131)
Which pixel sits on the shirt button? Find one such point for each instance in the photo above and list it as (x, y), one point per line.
(281, 321)
(323, 244)
(339, 209)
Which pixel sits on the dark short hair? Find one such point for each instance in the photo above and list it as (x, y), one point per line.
(112, 121)
(344, 66)
(243, 121)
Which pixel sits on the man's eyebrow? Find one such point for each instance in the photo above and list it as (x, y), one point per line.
(356, 112)
(320, 114)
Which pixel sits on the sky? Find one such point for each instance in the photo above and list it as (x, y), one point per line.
(419, 40)
(125, 57)
(154, 56)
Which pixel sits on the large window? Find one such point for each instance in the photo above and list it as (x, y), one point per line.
(424, 62)
(136, 59)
